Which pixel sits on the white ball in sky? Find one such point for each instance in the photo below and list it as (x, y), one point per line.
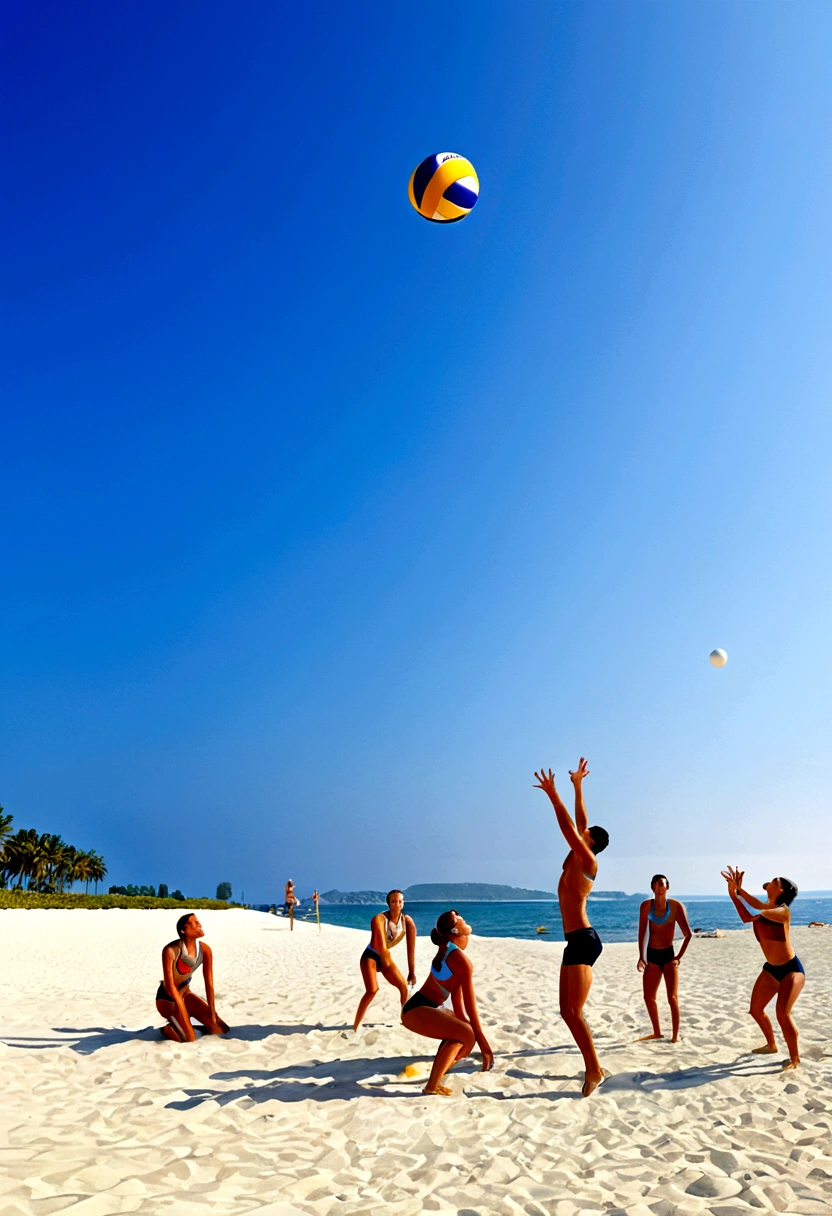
(717, 658)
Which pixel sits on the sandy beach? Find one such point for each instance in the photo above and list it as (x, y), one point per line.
(294, 1113)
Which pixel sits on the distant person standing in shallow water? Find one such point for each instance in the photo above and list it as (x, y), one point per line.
(583, 945)
(174, 999)
(658, 918)
(782, 974)
(386, 931)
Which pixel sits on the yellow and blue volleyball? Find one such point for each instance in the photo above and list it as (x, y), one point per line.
(444, 188)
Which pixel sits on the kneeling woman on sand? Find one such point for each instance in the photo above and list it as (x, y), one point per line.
(451, 975)
(174, 999)
(386, 931)
(782, 974)
(658, 918)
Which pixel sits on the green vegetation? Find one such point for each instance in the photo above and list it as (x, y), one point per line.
(45, 862)
(224, 890)
(37, 899)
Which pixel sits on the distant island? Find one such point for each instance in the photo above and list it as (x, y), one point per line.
(451, 892)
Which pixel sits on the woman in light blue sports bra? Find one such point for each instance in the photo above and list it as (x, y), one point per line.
(658, 919)
(451, 975)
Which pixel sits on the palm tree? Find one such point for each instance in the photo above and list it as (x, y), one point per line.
(96, 868)
(81, 870)
(5, 831)
(19, 853)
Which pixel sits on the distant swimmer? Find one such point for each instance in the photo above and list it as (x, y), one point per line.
(289, 902)
(387, 929)
(583, 945)
(451, 975)
(782, 974)
(658, 918)
(174, 999)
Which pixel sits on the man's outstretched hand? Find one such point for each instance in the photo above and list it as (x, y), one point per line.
(546, 782)
(582, 771)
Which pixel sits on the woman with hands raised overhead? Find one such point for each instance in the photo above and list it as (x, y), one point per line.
(583, 945)
(782, 974)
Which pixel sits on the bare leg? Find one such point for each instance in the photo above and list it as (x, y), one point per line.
(765, 987)
(291, 918)
(173, 1030)
(651, 979)
(575, 983)
(671, 983)
(368, 972)
(395, 977)
(791, 987)
(198, 1009)
(457, 1041)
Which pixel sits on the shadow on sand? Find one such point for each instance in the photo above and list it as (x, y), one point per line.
(335, 1080)
(88, 1039)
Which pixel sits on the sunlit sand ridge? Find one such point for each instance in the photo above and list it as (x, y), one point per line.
(295, 1113)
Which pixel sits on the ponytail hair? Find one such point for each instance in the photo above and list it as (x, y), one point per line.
(441, 936)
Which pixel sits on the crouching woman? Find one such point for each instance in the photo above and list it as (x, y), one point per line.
(451, 975)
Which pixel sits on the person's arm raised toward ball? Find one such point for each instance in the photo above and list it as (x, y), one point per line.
(734, 879)
(577, 779)
(546, 781)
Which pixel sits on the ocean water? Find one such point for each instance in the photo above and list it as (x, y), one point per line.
(616, 919)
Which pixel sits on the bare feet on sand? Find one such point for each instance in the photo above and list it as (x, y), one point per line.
(645, 1038)
(791, 1064)
(592, 1083)
(768, 1049)
(445, 1090)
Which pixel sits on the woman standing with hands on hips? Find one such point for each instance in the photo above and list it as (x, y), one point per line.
(451, 975)
(782, 974)
(658, 918)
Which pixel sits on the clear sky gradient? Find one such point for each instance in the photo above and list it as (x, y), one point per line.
(323, 526)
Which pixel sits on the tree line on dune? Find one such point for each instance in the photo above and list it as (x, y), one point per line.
(43, 861)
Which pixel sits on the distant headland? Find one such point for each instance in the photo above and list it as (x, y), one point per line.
(450, 892)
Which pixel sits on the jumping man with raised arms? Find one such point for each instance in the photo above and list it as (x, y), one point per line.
(583, 944)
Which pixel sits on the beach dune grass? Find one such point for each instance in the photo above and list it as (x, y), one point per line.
(34, 899)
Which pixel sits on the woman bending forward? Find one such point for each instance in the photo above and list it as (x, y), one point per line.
(451, 975)
(386, 931)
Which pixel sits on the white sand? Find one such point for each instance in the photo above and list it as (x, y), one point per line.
(294, 1113)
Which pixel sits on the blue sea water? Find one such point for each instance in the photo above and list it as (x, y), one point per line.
(616, 919)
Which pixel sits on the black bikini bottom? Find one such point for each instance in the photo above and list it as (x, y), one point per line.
(783, 969)
(162, 993)
(660, 957)
(419, 1001)
(582, 948)
(371, 954)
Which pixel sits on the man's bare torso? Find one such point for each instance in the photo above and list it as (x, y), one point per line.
(573, 889)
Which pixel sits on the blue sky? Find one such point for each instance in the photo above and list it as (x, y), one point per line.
(323, 526)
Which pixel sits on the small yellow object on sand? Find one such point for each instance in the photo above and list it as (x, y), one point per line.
(412, 1070)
